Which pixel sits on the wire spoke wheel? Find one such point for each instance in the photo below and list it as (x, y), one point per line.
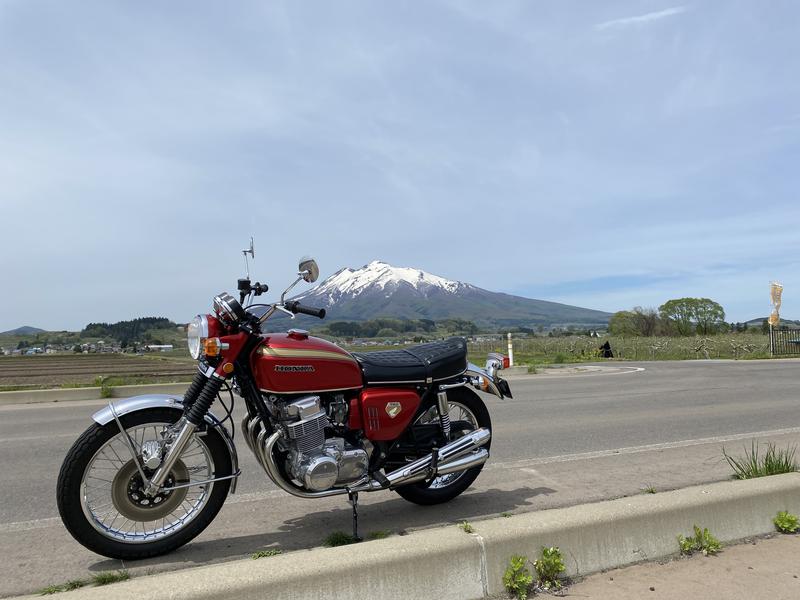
(112, 491)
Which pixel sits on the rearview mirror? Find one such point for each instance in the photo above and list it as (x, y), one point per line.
(308, 269)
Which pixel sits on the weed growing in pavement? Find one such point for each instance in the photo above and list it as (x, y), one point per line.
(786, 522)
(649, 490)
(517, 579)
(549, 567)
(753, 464)
(103, 578)
(73, 584)
(106, 577)
(266, 553)
(339, 538)
(702, 541)
(532, 370)
(467, 527)
(505, 514)
(378, 535)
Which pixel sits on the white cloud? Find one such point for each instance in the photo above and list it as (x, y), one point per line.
(640, 19)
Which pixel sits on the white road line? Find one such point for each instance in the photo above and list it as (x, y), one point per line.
(529, 462)
(29, 525)
(33, 438)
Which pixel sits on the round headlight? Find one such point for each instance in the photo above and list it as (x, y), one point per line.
(195, 333)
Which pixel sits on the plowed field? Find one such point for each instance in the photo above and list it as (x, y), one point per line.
(82, 369)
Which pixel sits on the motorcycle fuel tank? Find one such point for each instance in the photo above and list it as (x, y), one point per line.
(294, 362)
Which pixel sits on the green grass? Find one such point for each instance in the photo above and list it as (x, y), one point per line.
(265, 553)
(107, 577)
(339, 538)
(753, 463)
(378, 535)
(649, 490)
(466, 527)
(103, 578)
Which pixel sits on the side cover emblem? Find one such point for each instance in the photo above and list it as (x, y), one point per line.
(393, 409)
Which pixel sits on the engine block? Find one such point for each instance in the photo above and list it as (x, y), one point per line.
(319, 463)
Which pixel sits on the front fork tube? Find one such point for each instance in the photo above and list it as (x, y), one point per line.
(195, 415)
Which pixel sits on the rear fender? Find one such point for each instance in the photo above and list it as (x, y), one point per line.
(125, 406)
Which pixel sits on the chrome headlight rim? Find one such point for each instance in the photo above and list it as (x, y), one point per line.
(228, 309)
(196, 332)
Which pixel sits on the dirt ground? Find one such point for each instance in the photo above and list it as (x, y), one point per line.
(762, 568)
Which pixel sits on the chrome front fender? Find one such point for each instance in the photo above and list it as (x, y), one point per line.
(128, 405)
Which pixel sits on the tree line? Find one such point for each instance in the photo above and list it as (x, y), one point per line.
(127, 331)
(387, 328)
(677, 317)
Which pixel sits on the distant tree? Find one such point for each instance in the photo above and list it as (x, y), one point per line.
(23, 344)
(622, 323)
(689, 316)
(646, 321)
(77, 349)
(765, 326)
(386, 332)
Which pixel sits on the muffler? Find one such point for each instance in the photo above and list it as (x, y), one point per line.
(449, 461)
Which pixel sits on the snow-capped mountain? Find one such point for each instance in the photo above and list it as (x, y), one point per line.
(381, 290)
(379, 275)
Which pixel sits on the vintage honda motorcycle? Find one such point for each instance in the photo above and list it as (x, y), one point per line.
(153, 471)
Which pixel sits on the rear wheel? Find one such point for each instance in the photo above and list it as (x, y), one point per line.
(101, 497)
(467, 413)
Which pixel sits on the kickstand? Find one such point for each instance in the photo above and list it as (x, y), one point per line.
(353, 497)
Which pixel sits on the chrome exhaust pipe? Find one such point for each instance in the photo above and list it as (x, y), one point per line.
(458, 455)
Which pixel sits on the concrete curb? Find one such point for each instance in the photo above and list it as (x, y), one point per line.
(447, 563)
(89, 393)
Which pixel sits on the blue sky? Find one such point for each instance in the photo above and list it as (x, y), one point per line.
(604, 154)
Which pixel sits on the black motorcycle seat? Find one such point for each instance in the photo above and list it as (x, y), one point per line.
(423, 363)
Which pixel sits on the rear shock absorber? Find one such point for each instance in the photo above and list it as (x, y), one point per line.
(444, 414)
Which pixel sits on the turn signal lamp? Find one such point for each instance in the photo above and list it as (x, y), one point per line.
(213, 347)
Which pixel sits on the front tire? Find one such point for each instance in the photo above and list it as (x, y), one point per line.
(463, 401)
(99, 492)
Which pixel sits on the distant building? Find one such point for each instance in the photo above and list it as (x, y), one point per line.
(159, 347)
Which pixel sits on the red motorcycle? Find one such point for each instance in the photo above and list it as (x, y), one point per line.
(153, 471)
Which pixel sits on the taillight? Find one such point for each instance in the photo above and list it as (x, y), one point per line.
(506, 362)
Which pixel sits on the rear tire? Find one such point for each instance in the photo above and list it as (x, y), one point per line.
(85, 525)
(423, 493)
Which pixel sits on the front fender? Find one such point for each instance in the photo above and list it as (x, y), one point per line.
(128, 405)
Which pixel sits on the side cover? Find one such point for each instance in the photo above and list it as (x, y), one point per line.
(386, 412)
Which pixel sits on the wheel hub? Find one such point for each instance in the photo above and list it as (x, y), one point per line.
(129, 498)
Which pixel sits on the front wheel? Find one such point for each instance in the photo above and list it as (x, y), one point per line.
(467, 413)
(100, 491)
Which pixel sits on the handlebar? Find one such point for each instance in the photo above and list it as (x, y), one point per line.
(295, 307)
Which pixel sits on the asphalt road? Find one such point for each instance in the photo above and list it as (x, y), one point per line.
(563, 440)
